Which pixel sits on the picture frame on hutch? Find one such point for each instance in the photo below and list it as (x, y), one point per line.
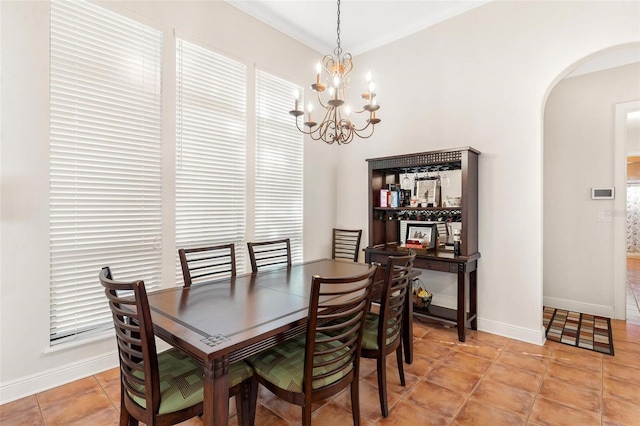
(426, 188)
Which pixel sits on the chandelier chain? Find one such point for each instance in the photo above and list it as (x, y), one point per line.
(338, 50)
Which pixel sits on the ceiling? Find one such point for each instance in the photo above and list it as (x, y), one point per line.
(364, 24)
(368, 24)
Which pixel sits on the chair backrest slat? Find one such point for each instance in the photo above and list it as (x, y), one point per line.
(207, 263)
(346, 244)
(269, 253)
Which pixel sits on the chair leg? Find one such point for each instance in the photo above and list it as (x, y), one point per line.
(306, 415)
(246, 401)
(400, 365)
(355, 401)
(124, 416)
(382, 384)
(127, 419)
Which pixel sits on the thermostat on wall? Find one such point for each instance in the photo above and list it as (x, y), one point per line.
(602, 193)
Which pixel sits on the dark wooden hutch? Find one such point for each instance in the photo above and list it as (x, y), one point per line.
(384, 226)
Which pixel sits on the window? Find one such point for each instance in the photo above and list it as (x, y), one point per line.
(279, 156)
(210, 150)
(105, 162)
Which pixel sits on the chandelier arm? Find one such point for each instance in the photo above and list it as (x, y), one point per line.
(322, 132)
(350, 138)
(302, 129)
(328, 62)
(351, 134)
(357, 131)
(322, 104)
(346, 130)
(327, 114)
(314, 136)
(329, 130)
(347, 62)
(362, 129)
(346, 135)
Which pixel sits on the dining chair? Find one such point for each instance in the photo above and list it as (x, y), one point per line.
(346, 244)
(326, 359)
(269, 253)
(383, 331)
(207, 263)
(161, 388)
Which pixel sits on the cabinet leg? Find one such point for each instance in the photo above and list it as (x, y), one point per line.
(407, 327)
(473, 298)
(461, 314)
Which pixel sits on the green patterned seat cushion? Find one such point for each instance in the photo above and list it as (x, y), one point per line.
(283, 365)
(181, 381)
(370, 335)
(239, 372)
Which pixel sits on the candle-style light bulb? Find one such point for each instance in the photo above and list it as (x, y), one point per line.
(336, 81)
(296, 94)
(318, 72)
(309, 109)
(347, 109)
(331, 91)
(369, 76)
(372, 86)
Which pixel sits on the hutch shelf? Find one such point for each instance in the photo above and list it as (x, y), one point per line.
(385, 224)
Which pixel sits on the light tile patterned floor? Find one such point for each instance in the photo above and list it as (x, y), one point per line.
(488, 380)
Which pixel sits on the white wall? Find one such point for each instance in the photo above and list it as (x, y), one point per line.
(579, 130)
(26, 364)
(481, 79)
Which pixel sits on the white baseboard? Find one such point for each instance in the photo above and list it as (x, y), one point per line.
(585, 308)
(535, 336)
(40, 382)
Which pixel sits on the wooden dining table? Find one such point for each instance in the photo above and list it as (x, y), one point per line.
(230, 319)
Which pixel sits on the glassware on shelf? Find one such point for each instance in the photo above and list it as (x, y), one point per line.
(444, 180)
(406, 182)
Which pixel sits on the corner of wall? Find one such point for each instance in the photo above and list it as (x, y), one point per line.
(536, 337)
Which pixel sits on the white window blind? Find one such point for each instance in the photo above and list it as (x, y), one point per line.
(211, 122)
(279, 164)
(105, 162)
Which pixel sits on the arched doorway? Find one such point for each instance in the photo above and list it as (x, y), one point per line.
(580, 235)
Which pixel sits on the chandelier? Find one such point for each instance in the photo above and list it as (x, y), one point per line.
(336, 126)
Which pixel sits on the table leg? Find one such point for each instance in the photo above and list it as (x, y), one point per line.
(407, 327)
(216, 393)
(473, 298)
(461, 309)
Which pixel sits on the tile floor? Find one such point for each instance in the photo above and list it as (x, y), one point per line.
(488, 380)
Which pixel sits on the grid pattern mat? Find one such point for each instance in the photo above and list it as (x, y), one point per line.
(580, 330)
